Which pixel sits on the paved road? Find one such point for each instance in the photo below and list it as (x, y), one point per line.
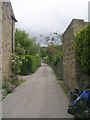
(39, 97)
(0, 110)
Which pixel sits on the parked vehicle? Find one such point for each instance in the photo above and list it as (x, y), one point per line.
(81, 109)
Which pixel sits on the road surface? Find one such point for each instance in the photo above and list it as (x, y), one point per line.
(39, 97)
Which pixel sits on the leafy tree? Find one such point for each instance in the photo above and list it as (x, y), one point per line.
(24, 44)
(43, 51)
(52, 53)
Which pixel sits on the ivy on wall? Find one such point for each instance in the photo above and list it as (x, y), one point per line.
(82, 46)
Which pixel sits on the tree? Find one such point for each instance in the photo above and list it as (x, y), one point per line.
(53, 52)
(24, 44)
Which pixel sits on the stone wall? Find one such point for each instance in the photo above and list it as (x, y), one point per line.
(70, 67)
(89, 11)
(0, 44)
(59, 69)
(7, 38)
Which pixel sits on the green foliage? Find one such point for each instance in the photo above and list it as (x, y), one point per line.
(24, 61)
(24, 44)
(4, 93)
(30, 64)
(43, 51)
(52, 53)
(8, 87)
(38, 61)
(26, 65)
(19, 50)
(82, 44)
(57, 59)
(16, 81)
(46, 60)
(16, 64)
(33, 63)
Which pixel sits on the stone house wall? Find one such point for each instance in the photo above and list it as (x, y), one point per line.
(8, 25)
(59, 69)
(0, 44)
(89, 11)
(70, 68)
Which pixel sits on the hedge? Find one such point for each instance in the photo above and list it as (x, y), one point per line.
(30, 64)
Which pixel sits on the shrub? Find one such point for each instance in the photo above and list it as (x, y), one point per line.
(25, 68)
(38, 61)
(4, 93)
(47, 60)
(15, 81)
(16, 64)
(35, 63)
(30, 64)
(7, 88)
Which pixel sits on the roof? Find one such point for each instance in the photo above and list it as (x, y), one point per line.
(12, 13)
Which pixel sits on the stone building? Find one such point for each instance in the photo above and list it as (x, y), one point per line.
(0, 44)
(89, 11)
(7, 30)
(70, 68)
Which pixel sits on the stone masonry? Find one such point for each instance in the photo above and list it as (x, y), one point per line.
(7, 41)
(0, 44)
(70, 67)
(89, 11)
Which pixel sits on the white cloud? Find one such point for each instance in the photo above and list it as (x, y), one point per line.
(41, 16)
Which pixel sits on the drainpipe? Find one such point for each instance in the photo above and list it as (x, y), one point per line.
(13, 20)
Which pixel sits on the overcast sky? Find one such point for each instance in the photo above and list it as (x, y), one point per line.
(45, 16)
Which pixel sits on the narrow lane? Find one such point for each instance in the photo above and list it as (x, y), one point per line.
(39, 97)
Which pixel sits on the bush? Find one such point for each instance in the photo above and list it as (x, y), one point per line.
(30, 64)
(4, 93)
(15, 81)
(47, 60)
(35, 63)
(7, 88)
(16, 64)
(38, 61)
(25, 68)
